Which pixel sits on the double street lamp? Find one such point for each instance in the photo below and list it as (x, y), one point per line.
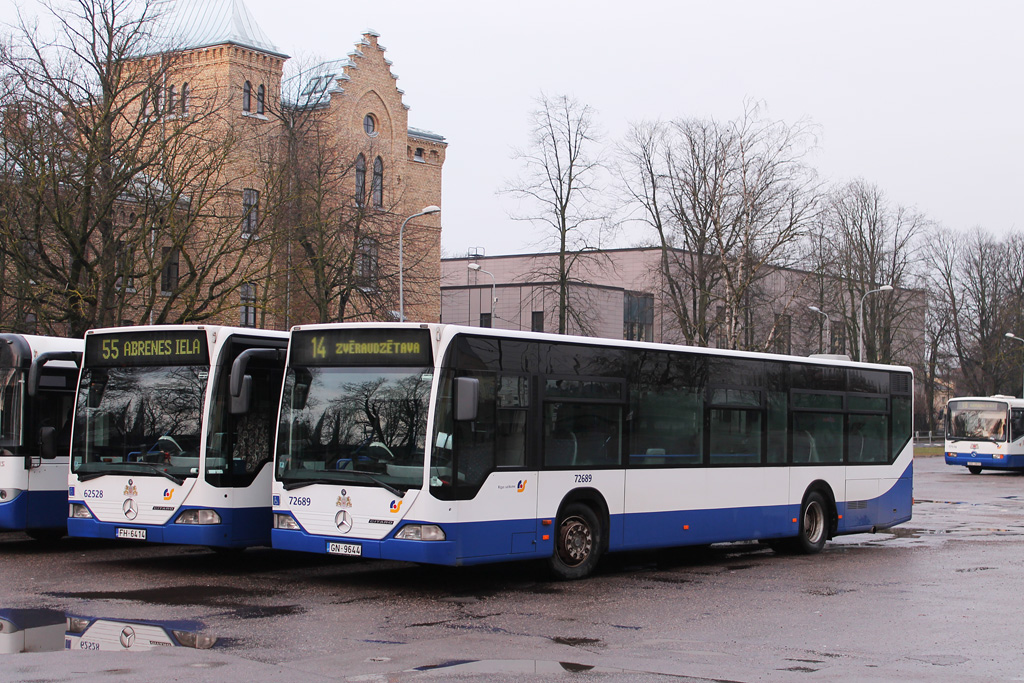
(860, 318)
(494, 297)
(828, 327)
(401, 265)
(1011, 335)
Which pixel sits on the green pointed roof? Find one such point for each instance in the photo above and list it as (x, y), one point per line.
(192, 24)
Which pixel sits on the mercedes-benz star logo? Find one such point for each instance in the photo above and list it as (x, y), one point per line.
(131, 508)
(127, 637)
(344, 521)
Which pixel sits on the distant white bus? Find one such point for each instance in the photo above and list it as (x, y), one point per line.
(985, 433)
(38, 376)
(454, 445)
(173, 434)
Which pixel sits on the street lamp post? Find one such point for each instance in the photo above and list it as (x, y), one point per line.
(828, 326)
(494, 297)
(401, 264)
(860, 318)
(1011, 335)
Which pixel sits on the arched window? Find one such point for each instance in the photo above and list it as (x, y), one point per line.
(170, 99)
(247, 96)
(360, 180)
(378, 182)
(184, 98)
(261, 93)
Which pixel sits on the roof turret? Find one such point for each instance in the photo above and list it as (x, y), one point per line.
(191, 24)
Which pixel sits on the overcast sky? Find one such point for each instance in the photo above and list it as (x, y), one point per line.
(922, 97)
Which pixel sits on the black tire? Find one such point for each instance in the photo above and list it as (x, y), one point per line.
(814, 524)
(974, 470)
(579, 539)
(46, 535)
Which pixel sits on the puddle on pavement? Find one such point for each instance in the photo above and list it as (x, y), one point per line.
(47, 630)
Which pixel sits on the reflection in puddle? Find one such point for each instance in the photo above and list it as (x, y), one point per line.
(41, 630)
(505, 666)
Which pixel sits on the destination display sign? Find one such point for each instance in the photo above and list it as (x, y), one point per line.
(365, 347)
(148, 347)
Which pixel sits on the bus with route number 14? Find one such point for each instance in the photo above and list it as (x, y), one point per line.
(453, 445)
(173, 431)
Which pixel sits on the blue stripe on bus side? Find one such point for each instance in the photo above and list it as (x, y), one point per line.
(35, 510)
(492, 541)
(239, 528)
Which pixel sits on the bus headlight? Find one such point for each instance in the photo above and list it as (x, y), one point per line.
(420, 532)
(198, 517)
(196, 640)
(77, 624)
(8, 494)
(79, 511)
(285, 522)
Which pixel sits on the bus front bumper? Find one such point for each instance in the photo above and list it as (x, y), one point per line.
(994, 461)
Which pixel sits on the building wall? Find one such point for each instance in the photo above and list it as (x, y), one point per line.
(523, 284)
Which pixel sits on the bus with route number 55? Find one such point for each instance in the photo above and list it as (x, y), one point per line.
(173, 433)
(453, 445)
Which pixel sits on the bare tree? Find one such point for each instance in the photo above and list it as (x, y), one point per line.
(112, 183)
(978, 286)
(560, 182)
(873, 243)
(728, 202)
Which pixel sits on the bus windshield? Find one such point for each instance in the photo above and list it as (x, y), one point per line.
(982, 420)
(140, 421)
(354, 425)
(11, 388)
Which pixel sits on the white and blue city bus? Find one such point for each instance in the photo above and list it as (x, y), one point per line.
(173, 433)
(985, 433)
(38, 376)
(456, 446)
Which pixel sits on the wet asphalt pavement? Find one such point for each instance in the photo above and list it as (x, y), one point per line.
(936, 599)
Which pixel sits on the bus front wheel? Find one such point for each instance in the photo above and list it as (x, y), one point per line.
(974, 470)
(578, 542)
(813, 525)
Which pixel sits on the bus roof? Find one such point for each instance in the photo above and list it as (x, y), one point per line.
(443, 333)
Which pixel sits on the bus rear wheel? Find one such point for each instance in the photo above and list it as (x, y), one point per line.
(974, 470)
(813, 525)
(578, 542)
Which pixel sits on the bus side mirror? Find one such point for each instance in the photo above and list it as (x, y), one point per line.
(467, 397)
(300, 390)
(48, 443)
(240, 403)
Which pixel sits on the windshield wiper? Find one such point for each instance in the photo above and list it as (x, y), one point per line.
(300, 483)
(88, 476)
(380, 483)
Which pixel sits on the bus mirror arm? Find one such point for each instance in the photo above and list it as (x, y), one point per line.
(241, 365)
(48, 443)
(35, 371)
(467, 396)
